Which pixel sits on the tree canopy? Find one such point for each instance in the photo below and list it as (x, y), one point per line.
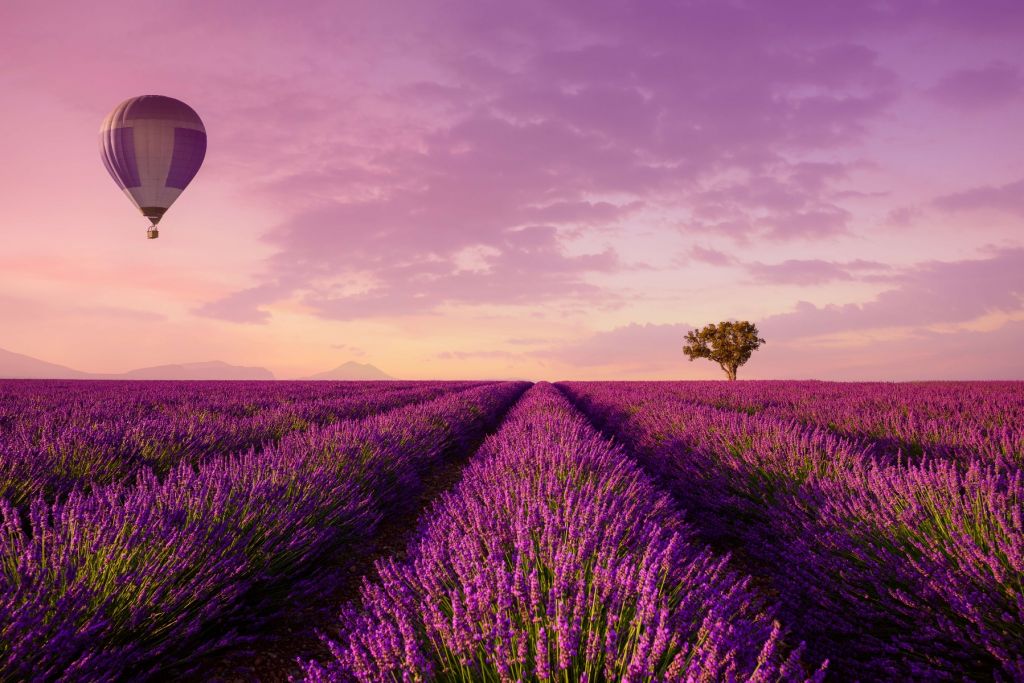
(729, 343)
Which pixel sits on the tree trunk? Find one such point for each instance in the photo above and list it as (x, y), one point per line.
(732, 374)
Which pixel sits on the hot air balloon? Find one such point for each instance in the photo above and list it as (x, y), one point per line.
(153, 146)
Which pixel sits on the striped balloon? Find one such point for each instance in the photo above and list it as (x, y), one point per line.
(153, 146)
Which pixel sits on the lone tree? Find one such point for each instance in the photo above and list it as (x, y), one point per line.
(729, 344)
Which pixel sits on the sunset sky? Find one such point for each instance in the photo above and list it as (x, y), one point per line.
(538, 190)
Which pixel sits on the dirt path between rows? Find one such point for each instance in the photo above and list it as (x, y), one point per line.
(273, 656)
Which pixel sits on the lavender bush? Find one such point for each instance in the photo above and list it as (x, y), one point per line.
(108, 431)
(555, 558)
(126, 581)
(894, 569)
(148, 528)
(966, 421)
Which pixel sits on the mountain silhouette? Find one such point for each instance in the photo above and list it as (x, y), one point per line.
(208, 370)
(19, 366)
(352, 370)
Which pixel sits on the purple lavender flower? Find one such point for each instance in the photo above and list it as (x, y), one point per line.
(126, 581)
(891, 566)
(603, 554)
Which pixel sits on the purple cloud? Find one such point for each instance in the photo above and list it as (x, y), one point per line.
(371, 159)
(932, 293)
(929, 294)
(923, 355)
(996, 84)
(814, 271)
(632, 349)
(656, 350)
(710, 256)
(902, 216)
(637, 351)
(1008, 198)
(240, 307)
(526, 265)
(539, 118)
(792, 202)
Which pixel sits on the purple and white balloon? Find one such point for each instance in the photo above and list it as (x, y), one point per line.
(153, 146)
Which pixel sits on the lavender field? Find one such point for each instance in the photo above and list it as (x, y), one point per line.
(503, 531)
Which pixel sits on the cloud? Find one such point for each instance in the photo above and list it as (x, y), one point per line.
(547, 123)
(929, 294)
(475, 157)
(527, 266)
(239, 307)
(787, 202)
(803, 272)
(989, 86)
(1008, 198)
(655, 351)
(923, 303)
(710, 256)
(633, 348)
(25, 310)
(902, 216)
(814, 271)
(922, 355)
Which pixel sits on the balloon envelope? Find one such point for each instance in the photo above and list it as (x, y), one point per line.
(153, 146)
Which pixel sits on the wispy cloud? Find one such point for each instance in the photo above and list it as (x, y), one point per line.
(921, 304)
(1008, 198)
(988, 86)
(816, 271)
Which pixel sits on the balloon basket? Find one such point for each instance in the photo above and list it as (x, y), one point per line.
(152, 233)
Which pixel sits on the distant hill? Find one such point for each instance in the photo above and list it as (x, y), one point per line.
(352, 370)
(209, 370)
(19, 366)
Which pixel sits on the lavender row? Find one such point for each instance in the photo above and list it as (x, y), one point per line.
(556, 558)
(958, 421)
(895, 571)
(54, 404)
(36, 411)
(91, 450)
(127, 582)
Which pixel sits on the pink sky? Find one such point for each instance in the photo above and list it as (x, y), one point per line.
(542, 190)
